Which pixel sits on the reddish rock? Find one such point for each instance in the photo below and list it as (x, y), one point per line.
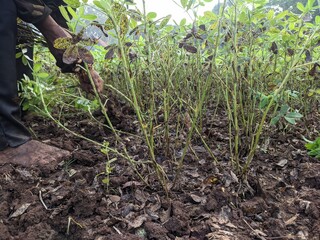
(33, 153)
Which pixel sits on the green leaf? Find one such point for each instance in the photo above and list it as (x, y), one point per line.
(301, 7)
(133, 23)
(184, 3)
(183, 22)
(36, 67)
(19, 55)
(270, 14)
(310, 4)
(210, 15)
(290, 120)
(274, 120)
(313, 148)
(243, 17)
(292, 26)
(118, 9)
(295, 115)
(80, 11)
(151, 15)
(106, 5)
(282, 15)
(311, 93)
(124, 24)
(64, 13)
(284, 109)
(99, 4)
(43, 75)
(169, 28)
(106, 181)
(72, 13)
(90, 17)
(164, 22)
(135, 14)
(292, 117)
(108, 25)
(190, 4)
(72, 3)
(62, 43)
(309, 146)
(24, 60)
(264, 101)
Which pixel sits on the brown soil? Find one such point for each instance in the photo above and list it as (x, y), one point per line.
(281, 199)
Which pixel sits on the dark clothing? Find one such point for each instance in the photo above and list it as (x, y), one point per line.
(12, 131)
(56, 14)
(33, 11)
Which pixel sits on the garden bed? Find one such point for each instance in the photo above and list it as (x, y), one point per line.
(72, 200)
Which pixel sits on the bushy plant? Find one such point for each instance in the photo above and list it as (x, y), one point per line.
(254, 63)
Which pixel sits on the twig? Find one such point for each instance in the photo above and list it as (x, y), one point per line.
(117, 230)
(41, 200)
(70, 219)
(265, 238)
(253, 230)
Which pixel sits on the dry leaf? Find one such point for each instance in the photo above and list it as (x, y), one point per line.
(165, 215)
(193, 174)
(21, 210)
(189, 48)
(282, 163)
(114, 198)
(140, 196)
(132, 184)
(197, 199)
(138, 221)
(230, 225)
(274, 48)
(259, 233)
(291, 220)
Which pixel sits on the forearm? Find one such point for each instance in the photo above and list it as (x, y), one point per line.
(50, 29)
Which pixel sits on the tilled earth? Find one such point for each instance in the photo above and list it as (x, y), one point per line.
(77, 200)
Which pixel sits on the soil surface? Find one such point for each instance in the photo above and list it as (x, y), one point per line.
(77, 200)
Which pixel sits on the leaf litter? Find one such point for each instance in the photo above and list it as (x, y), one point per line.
(283, 200)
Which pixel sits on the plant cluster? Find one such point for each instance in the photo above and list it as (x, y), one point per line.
(257, 65)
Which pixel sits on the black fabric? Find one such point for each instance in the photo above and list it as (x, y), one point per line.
(56, 14)
(12, 131)
(32, 11)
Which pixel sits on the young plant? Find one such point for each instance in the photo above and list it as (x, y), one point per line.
(313, 148)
